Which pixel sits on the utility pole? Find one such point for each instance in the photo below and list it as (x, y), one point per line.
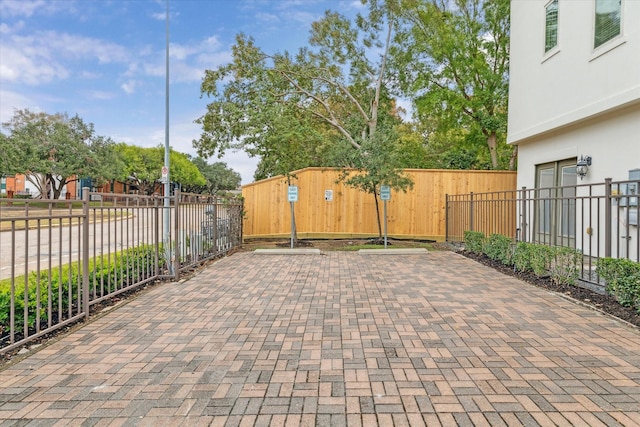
(167, 183)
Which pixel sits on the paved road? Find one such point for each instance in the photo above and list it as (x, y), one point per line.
(336, 339)
(62, 243)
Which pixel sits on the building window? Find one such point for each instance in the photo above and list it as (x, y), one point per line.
(607, 23)
(551, 26)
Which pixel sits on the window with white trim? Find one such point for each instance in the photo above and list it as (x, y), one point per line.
(551, 26)
(607, 21)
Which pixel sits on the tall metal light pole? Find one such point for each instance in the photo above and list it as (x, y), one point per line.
(167, 183)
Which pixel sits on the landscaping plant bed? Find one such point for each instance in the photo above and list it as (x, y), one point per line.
(602, 302)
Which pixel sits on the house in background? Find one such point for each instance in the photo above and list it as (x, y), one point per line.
(12, 184)
(574, 97)
(574, 89)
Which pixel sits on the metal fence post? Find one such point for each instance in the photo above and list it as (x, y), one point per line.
(446, 217)
(471, 211)
(85, 251)
(215, 235)
(241, 219)
(176, 227)
(523, 214)
(607, 217)
(156, 237)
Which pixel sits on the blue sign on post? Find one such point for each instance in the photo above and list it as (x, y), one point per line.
(293, 193)
(385, 192)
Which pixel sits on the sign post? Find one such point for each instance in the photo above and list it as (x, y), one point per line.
(385, 194)
(292, 195)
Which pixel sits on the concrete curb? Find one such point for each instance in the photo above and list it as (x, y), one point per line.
(399, 251)
(288, 251)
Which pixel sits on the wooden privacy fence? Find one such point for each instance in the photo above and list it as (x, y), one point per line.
(330, 209)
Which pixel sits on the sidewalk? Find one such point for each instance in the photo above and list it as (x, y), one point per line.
(335, 339)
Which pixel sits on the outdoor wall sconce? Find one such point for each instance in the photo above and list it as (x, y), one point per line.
(582, 167)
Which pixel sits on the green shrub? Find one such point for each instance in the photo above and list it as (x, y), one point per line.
(534, 258)
(565, 265)
(522, 257)
(473, 241)
(108, 274)
(64, 288)
(5, 306)
(498, 248)
(622, 277)
(540, 257)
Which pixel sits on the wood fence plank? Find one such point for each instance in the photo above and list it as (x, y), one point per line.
(419, 213)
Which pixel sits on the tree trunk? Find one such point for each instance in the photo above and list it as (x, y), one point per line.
(293, 218)
(493, 149)
(57, 189)
(375, 196)
(39, 181)
(514, 158)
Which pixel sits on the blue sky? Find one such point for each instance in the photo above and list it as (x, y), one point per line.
(105, 59)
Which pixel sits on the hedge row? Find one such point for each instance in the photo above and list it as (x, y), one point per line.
(560, 263)
(109, 273)
(563, 265)
(622, 277)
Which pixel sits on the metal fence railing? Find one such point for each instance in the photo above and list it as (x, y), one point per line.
(599, 220)
(58, 258)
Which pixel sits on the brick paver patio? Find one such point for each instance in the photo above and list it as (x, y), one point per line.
(336, 339)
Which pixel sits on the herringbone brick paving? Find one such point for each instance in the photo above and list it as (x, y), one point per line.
(336, 339)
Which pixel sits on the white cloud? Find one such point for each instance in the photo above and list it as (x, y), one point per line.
(269, 18)
(157, 69)
(100, 95)
(180, 52)
(12, 101)
(89, 75)
(30, 66)
(303, 17)
(181, 72)
(28, 8)
(8, 29)
(79, 47)
(213, 60)
(187, 62)
(40, 57)
(129, 86)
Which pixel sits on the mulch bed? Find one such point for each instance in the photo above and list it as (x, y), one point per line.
(604, 303)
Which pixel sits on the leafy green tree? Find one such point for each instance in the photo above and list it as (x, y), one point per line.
(109, 161)
(53, 150)
(266, 103)
(8, 161)
(183, 171)
(375, 164)
(334, 83)
(452, 59)
(143, 167)
(219, 177)
(411, 147)
(294, 141)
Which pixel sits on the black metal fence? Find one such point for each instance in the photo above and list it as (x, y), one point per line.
(58, 258)
(599, 220)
